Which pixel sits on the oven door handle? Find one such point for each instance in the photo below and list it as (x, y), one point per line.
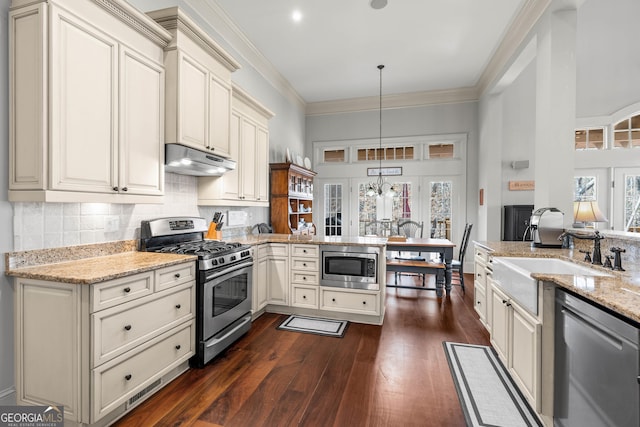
(231, 332)
(231, 269)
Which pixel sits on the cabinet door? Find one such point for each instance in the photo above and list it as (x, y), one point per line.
(141, 145)
(262, 163)
(193, 100)
(499, 323)
(219, 116)
(84, 75)
(248, 137)
(524, 348)
(260, 284)
(278, 280)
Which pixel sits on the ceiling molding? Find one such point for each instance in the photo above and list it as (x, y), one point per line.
(217, 18)
(415, 99)
(515, 35)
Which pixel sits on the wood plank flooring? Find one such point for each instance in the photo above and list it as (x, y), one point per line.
(390, 375)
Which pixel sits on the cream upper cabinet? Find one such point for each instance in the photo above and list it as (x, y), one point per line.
(198, 108)
(87, 103)
(248, 184)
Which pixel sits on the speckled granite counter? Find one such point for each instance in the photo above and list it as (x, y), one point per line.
(620, 293)
(87, 264)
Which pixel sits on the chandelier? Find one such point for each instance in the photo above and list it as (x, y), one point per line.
(377, 188)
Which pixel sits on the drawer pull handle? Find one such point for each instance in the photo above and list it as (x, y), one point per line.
(127, 377)
(304, 297)
(304, 264)
(178, 306)
(333, 299)
(127, 290)
(177, 275)
(364, 303)
(305, 251)
(178, 347)
(127, 327)
(304, 277)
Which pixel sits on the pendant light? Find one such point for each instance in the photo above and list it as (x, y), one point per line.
(377, 188)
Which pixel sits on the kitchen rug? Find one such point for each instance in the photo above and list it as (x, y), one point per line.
(487, 393)
(315, 325)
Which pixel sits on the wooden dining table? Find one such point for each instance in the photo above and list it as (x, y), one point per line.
(443, 247)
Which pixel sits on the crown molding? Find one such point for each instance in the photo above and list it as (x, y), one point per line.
(404, 100)
(514, 37)
(221, 23)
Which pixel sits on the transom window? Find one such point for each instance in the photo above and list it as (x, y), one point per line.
(385, 153)
(626, 133)
(589, 139)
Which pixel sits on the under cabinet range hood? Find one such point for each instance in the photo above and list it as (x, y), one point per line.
(189, 161)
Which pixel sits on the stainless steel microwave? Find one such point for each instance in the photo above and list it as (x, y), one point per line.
(350, 266)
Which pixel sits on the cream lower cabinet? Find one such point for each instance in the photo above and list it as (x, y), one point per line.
(516, 337)
(271, 283)
(305, 275)
(87, 103)
(100, 349)
(247, 185)
(482, 276)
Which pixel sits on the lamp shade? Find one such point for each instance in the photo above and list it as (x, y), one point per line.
(587, 211)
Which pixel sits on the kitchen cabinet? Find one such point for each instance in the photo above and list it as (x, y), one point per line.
(481, 288)
(273, 274)
(98, 349)
(247, 185)
(354, 301)
(198, 107)
(86, 103)
(516, 337)
(305, 275)
(291, 199)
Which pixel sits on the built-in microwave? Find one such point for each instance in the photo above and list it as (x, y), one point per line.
(350, 266)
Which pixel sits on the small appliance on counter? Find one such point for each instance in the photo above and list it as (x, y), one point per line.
(547, 224)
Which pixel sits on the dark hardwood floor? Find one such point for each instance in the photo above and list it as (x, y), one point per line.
(391, 375)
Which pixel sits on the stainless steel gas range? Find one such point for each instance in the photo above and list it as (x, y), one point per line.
(224, 280)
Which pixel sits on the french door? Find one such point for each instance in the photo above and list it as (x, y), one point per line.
(627, 199)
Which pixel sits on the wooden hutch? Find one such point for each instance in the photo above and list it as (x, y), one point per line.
(291, 199)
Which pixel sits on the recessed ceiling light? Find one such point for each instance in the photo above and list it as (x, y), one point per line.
(296, 16)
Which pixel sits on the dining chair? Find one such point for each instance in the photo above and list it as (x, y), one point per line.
(373, 228)
(408, 228)
(457, 265)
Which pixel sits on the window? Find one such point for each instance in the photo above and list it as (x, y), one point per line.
(388, 153)
(384, 210)
(626, 133)
(337, 155)
(440, 209)
(589, 139)
(632, 203)
(333, 209)
(441, 151)
(584, 188)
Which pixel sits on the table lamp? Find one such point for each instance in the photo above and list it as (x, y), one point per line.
(586, 211)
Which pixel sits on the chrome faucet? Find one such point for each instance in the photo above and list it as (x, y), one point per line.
(596, 258)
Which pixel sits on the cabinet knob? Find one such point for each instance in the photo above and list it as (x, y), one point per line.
(178, 347)
(304, 277)
(304, 297)
(127, 327)
(125, 189)
(478, 302)
(333, 299)
(364, 303)
(304, 264)
(127, 290)
(305, 251)
(178, 306)
(177, 275)
(127, 377)
(115, 188)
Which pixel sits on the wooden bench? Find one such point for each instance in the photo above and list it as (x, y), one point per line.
(416, 266)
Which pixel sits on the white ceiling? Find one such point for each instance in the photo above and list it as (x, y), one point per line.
(333, 52)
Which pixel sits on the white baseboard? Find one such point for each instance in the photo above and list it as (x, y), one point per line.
(8, 396)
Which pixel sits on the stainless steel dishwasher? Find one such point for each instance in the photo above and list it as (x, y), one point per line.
(597, 366)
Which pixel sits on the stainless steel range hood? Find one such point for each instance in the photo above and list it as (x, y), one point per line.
(189, 161)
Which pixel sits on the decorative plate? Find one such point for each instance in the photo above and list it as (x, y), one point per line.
(299, 161)
(288, 156)
(307, 163)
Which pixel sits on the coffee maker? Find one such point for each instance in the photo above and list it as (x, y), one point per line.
(546, 224)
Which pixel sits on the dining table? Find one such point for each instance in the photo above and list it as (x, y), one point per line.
(443, 247)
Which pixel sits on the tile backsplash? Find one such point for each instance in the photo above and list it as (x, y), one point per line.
(51, 225)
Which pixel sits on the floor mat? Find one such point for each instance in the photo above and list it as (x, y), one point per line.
(314, 325)
(487, 393)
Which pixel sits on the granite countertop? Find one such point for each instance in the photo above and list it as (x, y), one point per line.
(257, 239)
(87, 264)
(620, 292)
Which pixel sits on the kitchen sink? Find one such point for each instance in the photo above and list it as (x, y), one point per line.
(513, 275)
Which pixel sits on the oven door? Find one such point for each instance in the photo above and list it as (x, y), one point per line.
(226, 298)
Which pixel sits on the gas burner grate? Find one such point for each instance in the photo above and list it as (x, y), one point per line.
(203, 248)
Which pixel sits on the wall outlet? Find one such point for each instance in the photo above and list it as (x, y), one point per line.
(111, 224)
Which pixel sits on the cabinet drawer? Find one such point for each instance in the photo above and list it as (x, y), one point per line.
(118, 291)
(351, 302)
(305, 278)
(278, 249)
(175, 275)
(310, 251)
(304, 296)
(480, 301)
(305, 264)
(481, 275)
(122, 328)
(118, 380)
